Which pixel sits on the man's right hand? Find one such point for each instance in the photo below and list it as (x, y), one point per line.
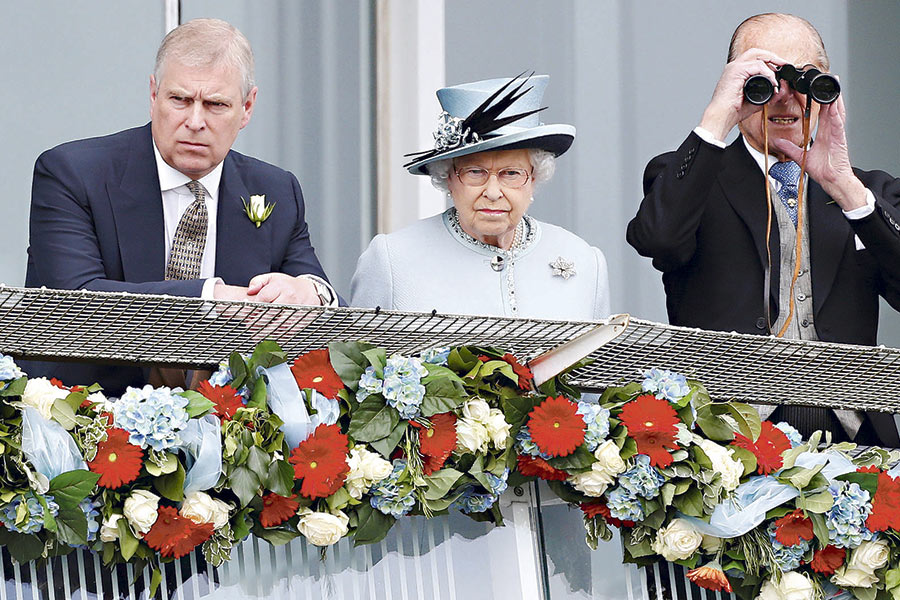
(727, 107)
(223, 291)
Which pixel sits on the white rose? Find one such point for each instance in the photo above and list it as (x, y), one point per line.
(793, 586)
(497, 428)
(100, 401)
(366, 468)
(711, 544)
(476, 409)
(864, 560)
(201, 508)
(322, 529)
(608, 459)
(677, 541)
(723, 463)
(140, 510)
(109, 530)
(591, 483)
(847, 577)
(472, 435)
(258, 205)
(40, 394)
(769, 591)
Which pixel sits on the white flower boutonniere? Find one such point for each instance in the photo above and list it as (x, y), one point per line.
(257, 210)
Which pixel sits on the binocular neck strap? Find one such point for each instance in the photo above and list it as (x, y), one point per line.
(798, 246)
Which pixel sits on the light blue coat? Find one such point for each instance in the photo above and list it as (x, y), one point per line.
(428, 266)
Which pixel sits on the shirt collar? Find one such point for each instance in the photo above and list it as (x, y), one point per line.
(170, 178)
(759, 157)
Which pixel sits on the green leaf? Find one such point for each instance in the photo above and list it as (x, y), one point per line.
(128, 543)
(581, 458)
(239, 526)
(567, 492)
(690, 503)
(72, 526)
(155, 580)
(267, 354)
(372, 525)
(440, 482)
(462, 360)
(820, 502)
(244, 484)
(258, 462)
(516, 409)
(377, 358)
(799, 477)
(24, 548)
(820, 529)
(339, 499)
(198, 404)
(443, 503)
(348, 361)
(63, 414)
(892, 578)
(747, 458)
(238, 367)
(16, 387)
(867, 481)
(276, 537)
(442, 395)
(169, 466)
(70, 488)
(171, 485)
(714, 427)
(667, 493)
(373, 420)
(747, 419)
(385, 446)
(258, 395)
(280, 478)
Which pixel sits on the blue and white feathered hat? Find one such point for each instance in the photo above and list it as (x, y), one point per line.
(494, 114)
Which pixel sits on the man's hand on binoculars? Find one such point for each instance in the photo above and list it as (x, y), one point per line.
(828, 160)
(727, 107)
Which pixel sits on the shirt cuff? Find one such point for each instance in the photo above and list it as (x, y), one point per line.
(208, 293)
(862, 211)
(327, 295)
(708, 137)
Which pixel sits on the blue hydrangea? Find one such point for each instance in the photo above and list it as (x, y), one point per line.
(437, 355)
(525, 445)
(152, 417)
(642, 479)
(596, 421)
(369, 384)
(92, 514)
(34, 519)
(224, 377)
(390, 495)
(9, 370)
(787, 557)
(665, 384)
(846, 519)
(402, 388)
(475, 502)
(404, 368)
(792, 434)
(624, 504)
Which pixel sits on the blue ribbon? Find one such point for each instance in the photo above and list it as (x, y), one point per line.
(48, 446)
(286, 400)
(201, 441)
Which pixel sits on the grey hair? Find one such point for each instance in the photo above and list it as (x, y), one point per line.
(543, 165)
(207, 43)
(757, 22)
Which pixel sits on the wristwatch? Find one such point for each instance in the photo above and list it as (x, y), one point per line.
(323, 290)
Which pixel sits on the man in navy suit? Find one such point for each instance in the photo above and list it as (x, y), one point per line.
(832, 251)
(106, 212)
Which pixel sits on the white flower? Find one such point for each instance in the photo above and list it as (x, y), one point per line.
(366, 468)
(39, 482)
(201, 508)
(100, 402)
(608, 459)
(257, 210)
(711, 544)
(322, 529)
(677, 540)
(793, 586)
(603, 471)
(140, 510)
(109, 530)
(477, 410)
(497, 428)
(859, 571)
(723, 463)
(40, 394)
(591, 483)
(472, 435)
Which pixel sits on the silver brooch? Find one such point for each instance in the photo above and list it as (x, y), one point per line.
(450, 133)
(562, 267)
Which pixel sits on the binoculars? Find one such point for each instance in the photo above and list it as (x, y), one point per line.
(824, 88)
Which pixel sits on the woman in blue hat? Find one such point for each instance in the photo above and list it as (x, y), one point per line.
(485, 255)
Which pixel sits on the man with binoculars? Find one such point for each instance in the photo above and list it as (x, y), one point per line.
(802, 253)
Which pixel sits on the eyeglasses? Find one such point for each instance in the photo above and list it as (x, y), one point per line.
(508, 177)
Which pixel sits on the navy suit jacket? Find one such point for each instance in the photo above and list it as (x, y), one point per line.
(97, 224)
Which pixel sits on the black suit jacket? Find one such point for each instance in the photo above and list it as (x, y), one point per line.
(703, 222)
(97, 223)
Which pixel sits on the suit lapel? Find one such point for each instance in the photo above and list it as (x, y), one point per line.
(829, 236)
(136, 203)
(242, 249)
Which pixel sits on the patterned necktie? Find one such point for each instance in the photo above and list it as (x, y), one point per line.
(788, 175)
(190, 238)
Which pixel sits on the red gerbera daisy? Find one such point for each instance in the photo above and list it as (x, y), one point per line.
(526, 377)
(437, 442)
(530, 466)
(869, 469)
(174, 535)
(651, 422)
(277, 509)
(827, 560)
(767, 448)
(224, 397)
(117, 461)
(711, 577)
(313, 370)
(321, 462)
(556, 427)
(599, 507)
(793, 527)
(885, 505)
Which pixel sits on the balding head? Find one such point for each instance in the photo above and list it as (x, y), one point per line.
(770, 25)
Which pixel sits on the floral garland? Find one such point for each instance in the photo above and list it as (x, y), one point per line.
(346, 440)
